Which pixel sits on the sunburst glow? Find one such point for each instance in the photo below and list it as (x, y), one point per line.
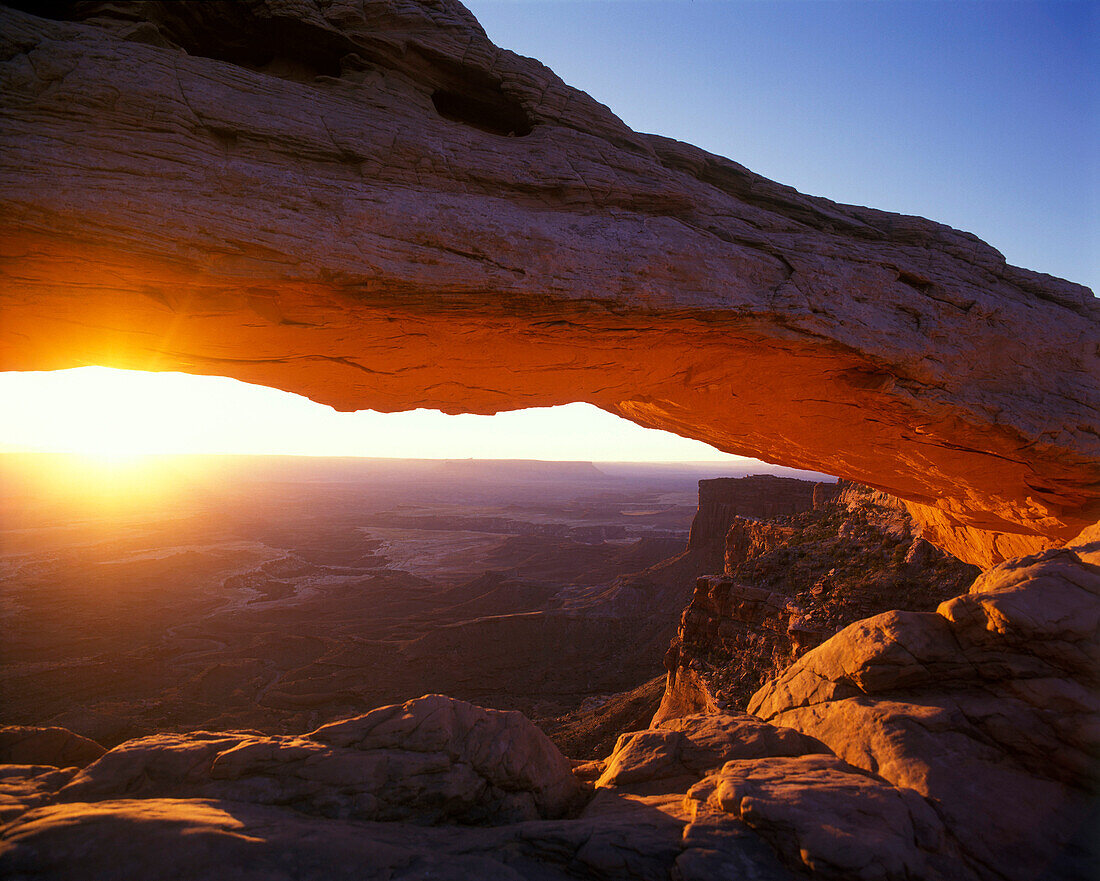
(111, 416)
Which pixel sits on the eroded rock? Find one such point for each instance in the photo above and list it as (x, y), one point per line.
(690, 746)
(202, 838)
(37, 745)
(792, 582)
(825, 816)
(725, 500)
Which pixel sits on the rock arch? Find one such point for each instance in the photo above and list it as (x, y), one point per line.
(311, 214)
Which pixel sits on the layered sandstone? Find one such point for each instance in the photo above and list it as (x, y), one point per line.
(432, 760)
(671, 801)
(372, 205)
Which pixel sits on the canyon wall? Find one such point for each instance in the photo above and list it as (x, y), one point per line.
(372, 205)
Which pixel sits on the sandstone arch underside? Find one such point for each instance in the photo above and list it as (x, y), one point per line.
(372, 205)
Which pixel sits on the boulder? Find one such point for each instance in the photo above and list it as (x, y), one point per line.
(826, 817)
(37, 745)
(693, 745)
(430, 760)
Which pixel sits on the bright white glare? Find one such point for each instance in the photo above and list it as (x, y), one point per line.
(105, 412)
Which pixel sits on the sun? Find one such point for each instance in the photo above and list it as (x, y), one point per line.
(111, 417)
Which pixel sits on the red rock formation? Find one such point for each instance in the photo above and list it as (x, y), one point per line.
(748, 539)
(793, 582)
(429, 760)
(987, 707)
(374, 206)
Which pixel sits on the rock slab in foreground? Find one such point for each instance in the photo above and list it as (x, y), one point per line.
(834, 820)
(430, 760)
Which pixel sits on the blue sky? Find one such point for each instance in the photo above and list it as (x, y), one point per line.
(982, 115)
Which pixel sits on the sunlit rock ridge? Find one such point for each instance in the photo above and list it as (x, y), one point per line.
(371, 204)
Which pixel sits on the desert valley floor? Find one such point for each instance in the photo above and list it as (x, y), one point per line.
(280, 594)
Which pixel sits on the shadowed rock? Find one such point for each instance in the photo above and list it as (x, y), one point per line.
(830, 818)
(189, 838)
(23, 787)
(693, 745)
(36, 745)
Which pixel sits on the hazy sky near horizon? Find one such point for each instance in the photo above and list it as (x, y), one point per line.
(107, 413)
(982, 114)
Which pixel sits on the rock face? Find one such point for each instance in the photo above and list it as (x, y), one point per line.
(141, 838)
(987, 707)
(748, 539)
(690, 746)
(744, 780)
(722, 500)
(792, 582)
(370, 204)
(818, 807)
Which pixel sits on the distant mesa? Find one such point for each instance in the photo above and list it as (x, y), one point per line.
(512, 470)
(722, 499)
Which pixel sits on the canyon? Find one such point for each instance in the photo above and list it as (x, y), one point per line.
(281, 594)
(370, 204)
(284, 607)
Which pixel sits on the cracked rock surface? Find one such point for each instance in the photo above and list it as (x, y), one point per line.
(828, 817)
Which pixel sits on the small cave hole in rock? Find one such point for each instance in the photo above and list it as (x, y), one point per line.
(915, 281)
(494, 113)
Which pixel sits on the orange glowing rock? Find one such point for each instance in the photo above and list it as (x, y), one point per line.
(385, 210)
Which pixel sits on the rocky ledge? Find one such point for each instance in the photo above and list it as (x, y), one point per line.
(988, 707)
(950, 745)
